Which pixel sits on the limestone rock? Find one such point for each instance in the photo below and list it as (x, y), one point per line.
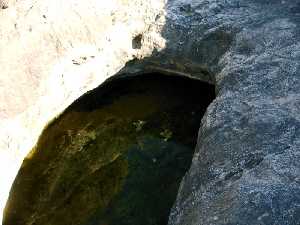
(246, 166)
(52, 52)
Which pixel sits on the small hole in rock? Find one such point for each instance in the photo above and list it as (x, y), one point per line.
(137, 42)
(115, 156)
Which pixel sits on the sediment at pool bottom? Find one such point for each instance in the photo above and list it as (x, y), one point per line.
(116, 156)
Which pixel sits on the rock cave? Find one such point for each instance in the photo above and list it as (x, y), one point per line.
(116, 156)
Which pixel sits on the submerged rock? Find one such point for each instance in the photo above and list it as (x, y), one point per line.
(115, 156)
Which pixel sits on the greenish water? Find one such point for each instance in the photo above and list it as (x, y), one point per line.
(116, 156)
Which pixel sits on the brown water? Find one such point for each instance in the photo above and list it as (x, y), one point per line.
(116, 156)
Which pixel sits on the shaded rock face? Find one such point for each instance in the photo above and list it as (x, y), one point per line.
(246, 167)
(115, 156)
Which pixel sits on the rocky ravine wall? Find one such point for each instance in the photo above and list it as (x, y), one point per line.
(52, 52)
(246, 167)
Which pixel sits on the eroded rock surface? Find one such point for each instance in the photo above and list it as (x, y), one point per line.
(246, 167)
(52, 52)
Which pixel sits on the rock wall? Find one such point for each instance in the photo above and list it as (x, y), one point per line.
(52, 52)
(246, 167)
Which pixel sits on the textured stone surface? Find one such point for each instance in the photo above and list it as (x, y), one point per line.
(52, 52)
(246, 166)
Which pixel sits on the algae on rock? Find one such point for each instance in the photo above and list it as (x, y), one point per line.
(115, 156)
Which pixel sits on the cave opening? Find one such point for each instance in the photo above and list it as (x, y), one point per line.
(116, 156)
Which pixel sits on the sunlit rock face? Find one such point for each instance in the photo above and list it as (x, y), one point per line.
(52, 52)
(115, 156)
